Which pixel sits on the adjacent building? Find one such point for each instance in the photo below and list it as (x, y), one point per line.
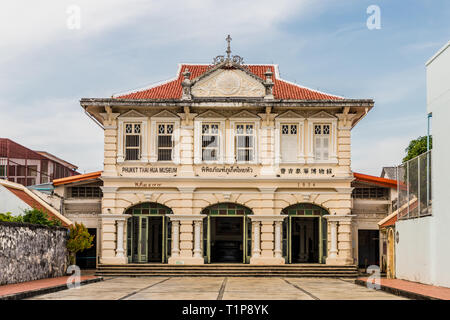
(227, 162)
(27, 167)
(374, 199)
(422, 237)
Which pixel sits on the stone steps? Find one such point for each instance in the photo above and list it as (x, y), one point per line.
(229, 270)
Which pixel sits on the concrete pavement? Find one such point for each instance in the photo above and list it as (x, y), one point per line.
(220, 288)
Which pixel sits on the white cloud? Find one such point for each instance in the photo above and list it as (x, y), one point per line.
(58, 126)
(25, 24)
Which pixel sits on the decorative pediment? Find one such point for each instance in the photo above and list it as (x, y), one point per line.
(322, 115)
(245, 115)
(228, 83)
(165, 114)
(289, 115)
(132, 114)
(209, 114)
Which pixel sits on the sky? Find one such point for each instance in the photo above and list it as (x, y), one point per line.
(47, 63)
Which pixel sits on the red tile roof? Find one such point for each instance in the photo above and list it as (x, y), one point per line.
(389, 222)
(281, 90)
(80, 177)
(22, 195)
(375, 180)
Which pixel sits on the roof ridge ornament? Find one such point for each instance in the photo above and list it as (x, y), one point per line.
(229, 59)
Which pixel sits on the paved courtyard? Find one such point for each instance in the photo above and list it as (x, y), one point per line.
(219, 288)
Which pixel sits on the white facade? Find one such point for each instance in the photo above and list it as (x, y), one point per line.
(423, 247)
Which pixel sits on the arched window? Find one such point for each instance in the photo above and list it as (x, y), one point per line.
(227, 209)
(304, 209)
(149, 208)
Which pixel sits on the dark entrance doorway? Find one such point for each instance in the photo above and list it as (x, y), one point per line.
(368, 248)
(304, 233)
(227, 239)
(227, 233)
(87, 259)
(305, 240)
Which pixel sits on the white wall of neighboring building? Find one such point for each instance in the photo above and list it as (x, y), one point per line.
(423, 251)
(413, 254)
(438, 102)
(10, 203)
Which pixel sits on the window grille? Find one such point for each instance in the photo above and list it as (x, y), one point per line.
(245, 142)
(132, 141)
(86, 192)
(210, 142)
(165, 142)
(370, 193)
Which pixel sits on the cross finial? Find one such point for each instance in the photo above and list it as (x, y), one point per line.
(228, 47)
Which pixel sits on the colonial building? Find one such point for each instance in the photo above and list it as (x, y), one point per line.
(227, 162)
(27, 167)
(374, 199)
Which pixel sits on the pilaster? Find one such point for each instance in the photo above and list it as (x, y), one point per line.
(268, 241)
(190, 251)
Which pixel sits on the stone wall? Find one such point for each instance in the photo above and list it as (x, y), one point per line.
(31, 252)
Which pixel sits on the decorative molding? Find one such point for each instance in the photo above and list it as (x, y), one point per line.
(210, 114)
(228, 83)
(245, 115)
(132, 114)
(321, 115)
(289, 115)
(165, 114)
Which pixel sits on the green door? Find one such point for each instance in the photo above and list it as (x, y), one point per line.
(143, 239)
(167, 235)
(248, 239)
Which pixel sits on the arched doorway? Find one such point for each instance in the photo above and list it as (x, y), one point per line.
(148, 233)
(304, 233)
(227, 233)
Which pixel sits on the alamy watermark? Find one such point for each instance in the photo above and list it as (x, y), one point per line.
(73, 21)
(374, 281)
(374, 20)
(74, 281)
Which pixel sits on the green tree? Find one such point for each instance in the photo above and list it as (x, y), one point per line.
(8, 217)
(417, 185)
(38, 216)
(79, 240)
(417, 147)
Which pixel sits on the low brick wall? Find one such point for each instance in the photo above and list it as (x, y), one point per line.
(31, 252)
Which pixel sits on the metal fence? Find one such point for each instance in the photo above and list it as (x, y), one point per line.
(414, 187)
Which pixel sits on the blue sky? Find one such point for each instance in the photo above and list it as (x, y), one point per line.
(46, 67)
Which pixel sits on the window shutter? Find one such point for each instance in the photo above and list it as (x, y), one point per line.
(325, 148)
(318, 147)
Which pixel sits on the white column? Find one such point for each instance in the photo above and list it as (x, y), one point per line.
(333, 248)
(175, 238)
(256, 238)
(278, 239)
(119, 244)
(197, 233)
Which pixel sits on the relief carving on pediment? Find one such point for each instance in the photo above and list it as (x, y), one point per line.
(228, 83)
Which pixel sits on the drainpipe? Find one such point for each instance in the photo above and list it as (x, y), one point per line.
(430, 115)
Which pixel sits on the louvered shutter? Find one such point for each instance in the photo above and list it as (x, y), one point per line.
(318, 147)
